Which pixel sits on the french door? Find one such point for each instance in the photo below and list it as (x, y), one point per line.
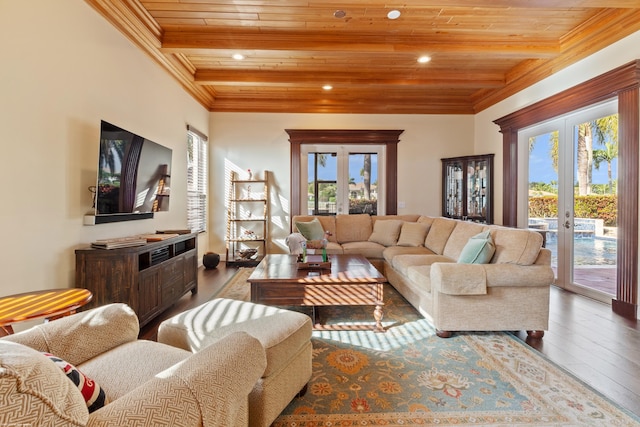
(571, 193)
(342, 179)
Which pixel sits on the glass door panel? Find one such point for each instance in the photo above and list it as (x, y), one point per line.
(593, 227)
(344, 181)
(322, 183)
(543, 190)
(363, 183)
(572, 193)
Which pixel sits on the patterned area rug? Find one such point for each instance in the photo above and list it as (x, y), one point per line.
(409, 376)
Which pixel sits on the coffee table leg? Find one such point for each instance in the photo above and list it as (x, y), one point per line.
(377, 314)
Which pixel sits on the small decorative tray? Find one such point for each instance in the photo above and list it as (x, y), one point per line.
(313, 262)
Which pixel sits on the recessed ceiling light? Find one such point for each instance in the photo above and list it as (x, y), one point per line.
(327, 87)
(424, 59)
(238, 56)
(393, 14)
(339, 14)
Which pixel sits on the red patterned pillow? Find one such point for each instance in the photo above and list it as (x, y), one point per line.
(92, 393)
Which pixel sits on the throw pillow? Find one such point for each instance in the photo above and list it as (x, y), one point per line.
(385, 232)
(92, 393)
(478, 250)
(311, 230)
(413, 234)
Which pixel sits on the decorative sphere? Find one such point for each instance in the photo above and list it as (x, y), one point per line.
(210, 260)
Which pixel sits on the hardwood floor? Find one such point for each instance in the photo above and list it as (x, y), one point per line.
(585, 337)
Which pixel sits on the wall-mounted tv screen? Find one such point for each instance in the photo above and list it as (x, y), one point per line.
(133, 176)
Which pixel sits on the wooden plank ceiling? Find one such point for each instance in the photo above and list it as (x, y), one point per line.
(481, 51)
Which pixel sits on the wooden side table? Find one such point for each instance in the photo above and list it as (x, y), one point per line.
(50, 304)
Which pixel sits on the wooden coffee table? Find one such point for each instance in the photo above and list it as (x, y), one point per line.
(352, 280)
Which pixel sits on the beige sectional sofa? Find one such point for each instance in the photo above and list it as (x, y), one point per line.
(420, 257)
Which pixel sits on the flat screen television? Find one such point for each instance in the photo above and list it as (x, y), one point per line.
(133, 176)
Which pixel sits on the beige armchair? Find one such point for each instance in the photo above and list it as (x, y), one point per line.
(145, 382)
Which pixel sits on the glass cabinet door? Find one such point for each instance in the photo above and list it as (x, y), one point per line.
(477, 188)
(466, 188)
(453, 189)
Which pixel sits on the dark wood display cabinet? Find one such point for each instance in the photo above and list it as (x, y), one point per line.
(467, 188)
(149, 278)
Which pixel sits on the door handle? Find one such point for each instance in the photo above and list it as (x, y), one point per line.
(567, 224)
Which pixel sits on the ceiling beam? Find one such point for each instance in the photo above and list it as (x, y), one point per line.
(455, 79)
(200, 42)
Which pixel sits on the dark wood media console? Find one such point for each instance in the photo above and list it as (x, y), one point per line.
(149, 278)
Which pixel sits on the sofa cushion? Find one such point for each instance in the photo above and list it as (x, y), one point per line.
(328, 223)
(459, 237)
(35, 392)
(353, 228)
(367, 249)
(413, 234)
(332, 249)
(403, 217)
(127, 366)
(402, 262)
(478, 250)
(91, 391)
(515, 246)
(439, 233)
(386, 232)
(392, 251)
(423, 219)
(311, 230)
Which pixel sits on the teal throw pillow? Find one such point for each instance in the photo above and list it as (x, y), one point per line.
(311, 230)
(478, 250)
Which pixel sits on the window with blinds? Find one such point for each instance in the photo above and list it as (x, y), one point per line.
(196, 180)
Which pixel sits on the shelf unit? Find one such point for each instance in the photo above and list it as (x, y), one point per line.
(162, 196)
(467, 188)
(247, 219)
(149, 278)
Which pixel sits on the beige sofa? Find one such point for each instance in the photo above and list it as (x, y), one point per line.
(145, 383)
(419, 256)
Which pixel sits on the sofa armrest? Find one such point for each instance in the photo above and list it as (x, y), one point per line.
(474, 279)
(209, 388)
(82, 336)
(500, 275)
(458, 279)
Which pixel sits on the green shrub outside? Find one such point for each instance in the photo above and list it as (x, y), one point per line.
(604, 207)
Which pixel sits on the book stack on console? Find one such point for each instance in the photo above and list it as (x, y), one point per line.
(120, 242)
(176, 231)
(158, 237)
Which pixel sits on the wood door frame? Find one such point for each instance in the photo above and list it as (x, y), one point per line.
(622, 82)
(388, 138)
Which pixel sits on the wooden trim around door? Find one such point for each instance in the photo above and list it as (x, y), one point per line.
(388, 138)
(622, 82)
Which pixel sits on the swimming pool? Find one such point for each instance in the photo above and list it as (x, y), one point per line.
(587, 250)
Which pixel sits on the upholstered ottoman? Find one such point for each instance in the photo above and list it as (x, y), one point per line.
(285, 335)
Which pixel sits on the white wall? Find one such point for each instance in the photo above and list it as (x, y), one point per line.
(64, 68)
(258, 141)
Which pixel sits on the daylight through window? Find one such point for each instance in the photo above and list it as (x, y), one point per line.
(196, 180)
